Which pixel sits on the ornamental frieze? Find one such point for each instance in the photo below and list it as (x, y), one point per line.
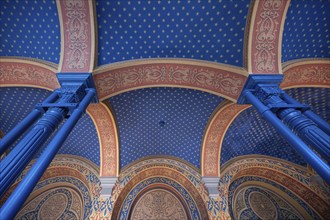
(310, 74)
(106, 128)
(216, 81)
(14, 73)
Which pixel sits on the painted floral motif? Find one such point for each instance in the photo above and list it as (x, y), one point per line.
(266, 36)
(214, 135)
(217, 81)
(106, 128)
(277, 170)
(307, 74)
(27, 74)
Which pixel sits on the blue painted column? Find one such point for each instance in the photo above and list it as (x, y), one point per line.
(306, 129)
(263, 92)
(19, 129)
(15, 162)
(23, 190)
(322, 124)
(71, 93)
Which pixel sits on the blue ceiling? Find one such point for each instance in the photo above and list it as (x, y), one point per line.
(205, 30)
(162, 121)
(307, 30)
(17, 102)
(250, 134)
(30, 29)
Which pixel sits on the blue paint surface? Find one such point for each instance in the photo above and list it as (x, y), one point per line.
(162, 121)
(205, 30)
(17, 102)
(250, 134)
(30, 28)
(306, 30)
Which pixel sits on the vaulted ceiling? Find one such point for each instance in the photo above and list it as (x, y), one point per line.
(164, 121)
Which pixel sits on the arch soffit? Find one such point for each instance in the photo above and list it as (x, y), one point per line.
(123, 188)
(263, 45)
(175, 165)
(215, 131)
(315, 201)
(289, 175)
(65, 165)
(278, 192)
(219, 79)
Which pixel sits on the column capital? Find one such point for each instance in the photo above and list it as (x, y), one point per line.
(211, 184)
(264, 83)
(107, 184)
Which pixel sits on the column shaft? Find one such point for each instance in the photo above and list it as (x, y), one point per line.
(23, 190)
(19, 129)
(15, 162)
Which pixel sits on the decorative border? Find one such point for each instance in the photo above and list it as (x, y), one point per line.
(306, 73)
(276, 169)
(159, 187)
(168, 163)
(311, 198)
(223, 80)
(160, 172)
(155, 161)
(29, 73)
(165, 184)
(215, 132)
(106, 128)
(65, 166)
(263, 44)
(253, 181)
(78, 33)
(66, 184)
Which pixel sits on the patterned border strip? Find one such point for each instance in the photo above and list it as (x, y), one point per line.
(67, 165)
(306, 73)
(108, 137)
(161, 172)
(263, 41)
(216, 129)
(223, 80)
(292, 200)
(29, 73)
(77, 22)
(291, 171)
(167, 161)
(160, 183)
(311, 198)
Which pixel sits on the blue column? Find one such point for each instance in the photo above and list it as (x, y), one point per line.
(322, 124)
(306, 129)
(23, 190)
(72, 91)
(19, 129)
(15, 162)
(285, 114)
(322, 168)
